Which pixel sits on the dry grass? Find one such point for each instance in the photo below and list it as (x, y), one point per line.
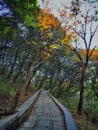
(83, 122)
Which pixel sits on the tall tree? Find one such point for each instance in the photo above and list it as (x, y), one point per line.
(84, 27)
(87, 27)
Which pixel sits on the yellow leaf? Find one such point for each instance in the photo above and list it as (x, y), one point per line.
(34, 43)
(48, 34)
(48, 55)
(52, 46)
(57, 46)
(62, 41)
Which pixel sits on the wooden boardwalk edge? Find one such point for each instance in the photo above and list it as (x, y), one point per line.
(70, 124)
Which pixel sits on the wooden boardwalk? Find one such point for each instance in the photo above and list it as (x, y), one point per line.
(40, 112)
(45, 115)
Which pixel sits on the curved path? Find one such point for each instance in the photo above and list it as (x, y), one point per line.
(45, 115)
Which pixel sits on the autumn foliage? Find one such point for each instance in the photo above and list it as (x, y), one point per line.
(47, 20)
(47, 24)
(94, 56)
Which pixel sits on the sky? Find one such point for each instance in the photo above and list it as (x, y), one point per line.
(57, 4)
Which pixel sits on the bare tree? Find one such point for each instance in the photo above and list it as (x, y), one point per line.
(86, 32)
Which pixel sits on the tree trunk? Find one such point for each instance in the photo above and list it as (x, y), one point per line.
(28, 78)
(59, 88)
(24, 86)
(19, 71)
(41, 82)
(30, 72)
(50, 84)
(12, 68)
(80, 104)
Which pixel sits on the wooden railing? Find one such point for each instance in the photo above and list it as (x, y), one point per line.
(68, 119)
(13, 121)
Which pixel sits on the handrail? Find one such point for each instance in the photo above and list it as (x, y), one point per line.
(70, 125)
(13, 121)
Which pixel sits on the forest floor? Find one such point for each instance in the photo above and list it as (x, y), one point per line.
(26, 96)
(83, 122)
(6, 103)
